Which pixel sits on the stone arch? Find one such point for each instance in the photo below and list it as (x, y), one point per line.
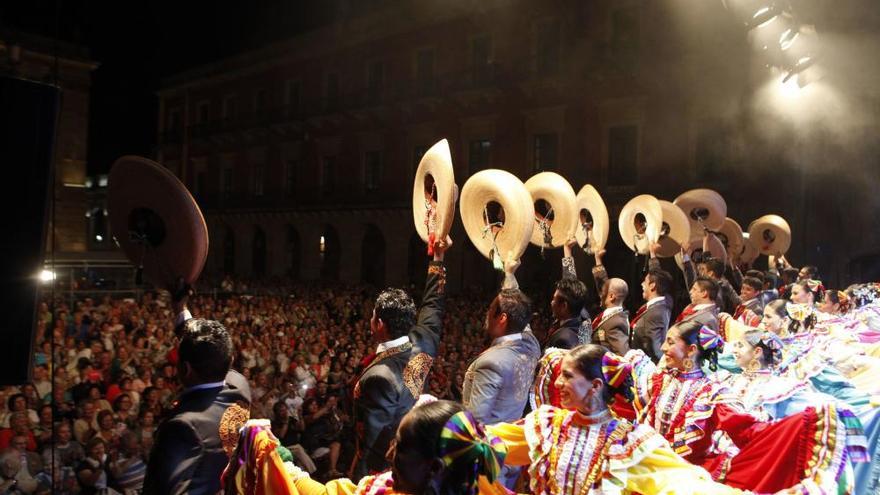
(258, 252)
(330, 251)
(373, 257)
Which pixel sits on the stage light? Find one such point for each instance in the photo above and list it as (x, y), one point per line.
(47, 276)
(773, 34)
(99, 238)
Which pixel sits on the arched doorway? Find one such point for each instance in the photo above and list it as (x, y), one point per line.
(373, 257)
(330, 252)
(258, 256)
(417, 261)
(294, 248)
(229, 251)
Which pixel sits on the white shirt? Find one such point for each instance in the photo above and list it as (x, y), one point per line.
(655, 300)
(391, 344)
(699, 307)
(507, 338)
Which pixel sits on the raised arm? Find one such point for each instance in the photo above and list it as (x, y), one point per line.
(600, 276)
(568, 268)
(429, 326)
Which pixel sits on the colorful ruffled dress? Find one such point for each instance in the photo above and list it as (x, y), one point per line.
(569, 453)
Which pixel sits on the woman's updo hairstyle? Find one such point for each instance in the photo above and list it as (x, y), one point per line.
(769, 343)
(589, 359)
(708, 349)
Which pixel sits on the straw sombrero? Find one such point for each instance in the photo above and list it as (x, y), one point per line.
(648, 206)
(750, 252)
(505, 189)
(590, 205)
(558, 227)
(705, 209)
(434, 194)
(156, 222)
(731, 235)
(679, 230)
(771, 235)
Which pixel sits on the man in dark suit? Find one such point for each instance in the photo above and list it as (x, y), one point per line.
(702, 308)
(394, 377)
(192, 446)
(571, 322)
(651, 321)
(714, 269)
(751, 310)
(611, 326)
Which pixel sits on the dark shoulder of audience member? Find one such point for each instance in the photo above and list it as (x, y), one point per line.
(396, 308)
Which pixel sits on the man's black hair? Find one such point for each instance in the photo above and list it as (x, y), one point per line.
(575, 294)
(662, 280)
(397, 310)
(207, 347)
(517, 306)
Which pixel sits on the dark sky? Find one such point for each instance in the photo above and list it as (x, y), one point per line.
(139, 42)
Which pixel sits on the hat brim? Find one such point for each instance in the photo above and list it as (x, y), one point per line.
(734, 235)
(142, 192)
(781, 232)
(648, 206)
(508, 191)
(588, 198)
(436, 163)
(555, 190)
(750, 252)
(702, 198)
(679, 230)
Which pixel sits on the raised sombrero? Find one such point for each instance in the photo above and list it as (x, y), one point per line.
(500, 236)
(593, 224)
(156, 222)
(434, 194)
(556, 223)
(704, 208)
(771, 235)
(650, 208)
(677, 230)
(731, 235)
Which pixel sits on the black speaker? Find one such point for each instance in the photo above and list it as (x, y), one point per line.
(28, 116)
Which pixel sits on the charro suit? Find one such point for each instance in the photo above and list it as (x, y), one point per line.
(389, 386)
(192, 446)
(569, 333)
(611, 330)
(497, 383)
(707, 314)
(649, 327)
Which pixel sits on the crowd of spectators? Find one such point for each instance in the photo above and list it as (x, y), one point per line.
(86, 422)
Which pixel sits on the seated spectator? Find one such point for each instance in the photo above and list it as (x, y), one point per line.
(18, 403)
(127, 465)
(67, 452)
(85, 426)
(288, 429)
(322, 435)
(122, 410)
(43, 430)
(93, 472)
(18, 426)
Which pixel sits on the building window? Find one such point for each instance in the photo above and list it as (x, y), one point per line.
(331, 93)
(372, 170)
(174, 119)
(375, 81)
(260, 100)
(478, 158)
(203, 112)
(425, 72)
(328, 174)
(544, 152)
(418, 152)
(292, 95)
(625, 37)
(547, 49)
(227, 181)
(481, 59)
(258, 180)
(623, 156)
(228, 107)
(290, 177)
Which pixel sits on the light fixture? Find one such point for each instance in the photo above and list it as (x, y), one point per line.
(47, 276)
(99, 238)
(322, 245)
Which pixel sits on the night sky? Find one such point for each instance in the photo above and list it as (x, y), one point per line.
(138, 43)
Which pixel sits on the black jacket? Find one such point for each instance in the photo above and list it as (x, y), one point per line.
(191, 445)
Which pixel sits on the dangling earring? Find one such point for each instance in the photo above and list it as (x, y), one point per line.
(688, 364)
(754, 364)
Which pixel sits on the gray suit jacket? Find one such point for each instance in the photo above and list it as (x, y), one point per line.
(707, 316)
(497, 383)
(649, 331)
(613, 333)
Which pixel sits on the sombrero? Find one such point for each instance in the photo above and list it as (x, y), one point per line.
(560, 222)
(731, 235)
(771, 235)
(704, 208)
(650, 208)
(716, 247)
(679, 230)
(750, 252)
(593, 225)
(509, 237)
(156, 222)
(434, 194)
